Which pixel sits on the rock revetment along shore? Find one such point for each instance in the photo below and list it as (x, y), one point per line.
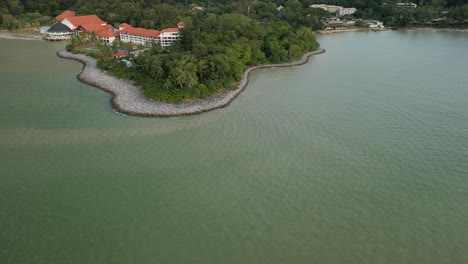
(127, 98)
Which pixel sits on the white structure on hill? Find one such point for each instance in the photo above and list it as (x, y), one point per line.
(346, 11)
(329, 8)
(403, 5)
(339, 10)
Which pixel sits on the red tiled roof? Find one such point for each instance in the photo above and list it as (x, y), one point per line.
(64, 14)
(141, 32)
(124, 25)
(82, 20)
(173, 30)
(181, 24)
(101, 31)
(107, 34)
(120, 53)
(92, 27)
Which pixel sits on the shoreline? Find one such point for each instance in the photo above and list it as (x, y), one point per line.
(325, 32)
(128, 99)
(434, 28)
(21, 36)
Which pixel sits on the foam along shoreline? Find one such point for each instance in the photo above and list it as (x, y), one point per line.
(127, 98)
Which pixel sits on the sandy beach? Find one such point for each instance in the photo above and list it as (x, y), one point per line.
(127, 98)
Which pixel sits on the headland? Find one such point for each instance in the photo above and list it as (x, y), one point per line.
(127, 98)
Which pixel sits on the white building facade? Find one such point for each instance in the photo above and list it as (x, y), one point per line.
(346, 11)
(339, 10)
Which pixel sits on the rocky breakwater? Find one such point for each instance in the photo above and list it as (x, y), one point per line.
(127, 98)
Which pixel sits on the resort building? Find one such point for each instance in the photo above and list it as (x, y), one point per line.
(74, 22)
(59, 32)
(69, 24)
(104, 32)
(141, 36)
(168, 36)
(64, 14)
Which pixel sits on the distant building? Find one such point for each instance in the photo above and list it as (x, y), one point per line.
(336, 26)
(346, 11)
(334, 23)
(374, 24)
(339, 10)
(403, 5)
(407, 5)
(329, 8)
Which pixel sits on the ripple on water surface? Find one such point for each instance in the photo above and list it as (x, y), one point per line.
(356, 157)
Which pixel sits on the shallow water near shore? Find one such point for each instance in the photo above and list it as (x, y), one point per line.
(359, 156)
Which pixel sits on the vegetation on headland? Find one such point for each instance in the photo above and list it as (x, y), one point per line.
(214, 51)
(212, 55)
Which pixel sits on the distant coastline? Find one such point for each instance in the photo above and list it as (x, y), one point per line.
(350, 30)
(129, 99)
(435, 28)
(388, 29)
(26, 36)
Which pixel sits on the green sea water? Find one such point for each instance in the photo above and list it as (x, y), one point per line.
(359, 156)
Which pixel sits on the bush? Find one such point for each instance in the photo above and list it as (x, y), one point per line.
(70, 48)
